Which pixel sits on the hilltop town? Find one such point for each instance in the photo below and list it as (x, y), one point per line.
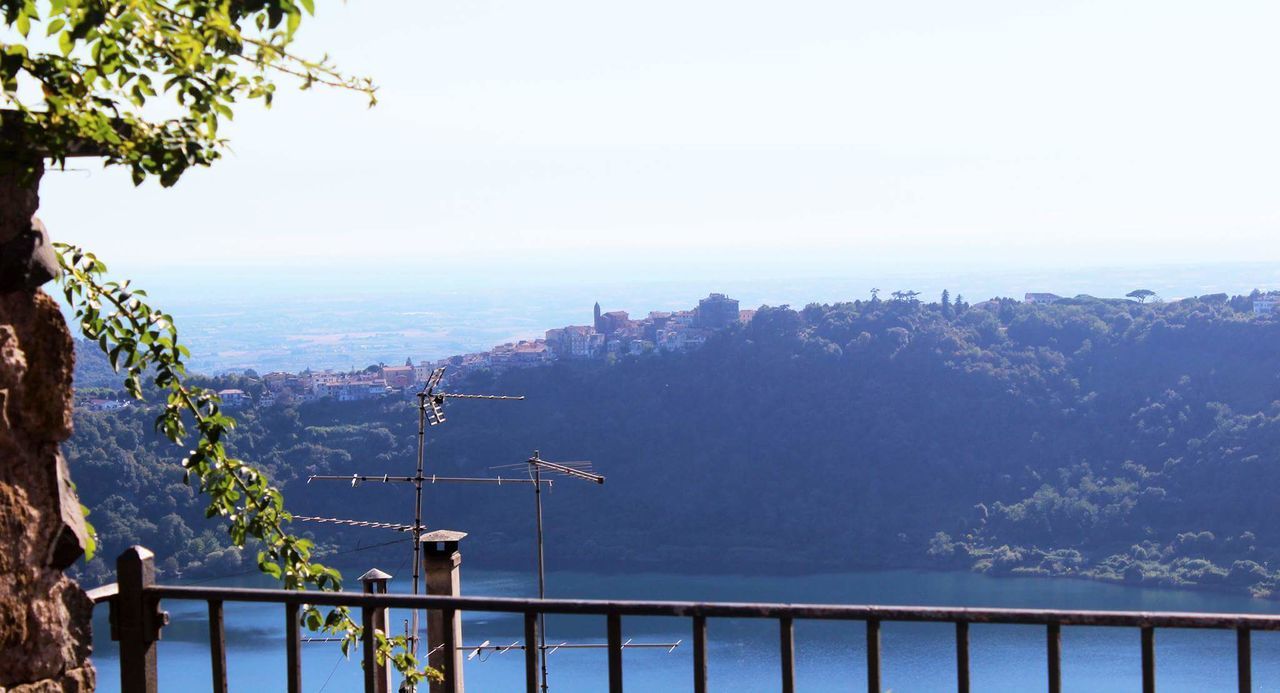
(611, 335)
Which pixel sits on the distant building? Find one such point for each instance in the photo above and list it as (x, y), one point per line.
(530, 353)
(574, 342)
(1041, 298)
(656, 321)
(233, 398)
(1266, 304)
(613, 321)
(681, 318)
(716, 312)
(399, 377)
(423, 370)
(357, 390)
(745, 316)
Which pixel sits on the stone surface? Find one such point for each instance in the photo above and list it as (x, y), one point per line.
(27, 260)
(19, 196)
(45, 617)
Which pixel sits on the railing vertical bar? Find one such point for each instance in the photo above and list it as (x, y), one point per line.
(1148, 659)
(873, 655)
(787, 647)
(450, 647)
(1053, 638)
(1244, 661)
(615, 652)
(136, 621)
(217, 647)
(369, 657)
(530, 652)
(293, 648)
(962, 656)
(699, 654)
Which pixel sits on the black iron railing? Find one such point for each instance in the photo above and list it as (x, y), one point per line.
(137, 620)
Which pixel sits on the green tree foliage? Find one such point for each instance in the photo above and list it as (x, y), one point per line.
(86, 75)
(143, 343)
(89, 76)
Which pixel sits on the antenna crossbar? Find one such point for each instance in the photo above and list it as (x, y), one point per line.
(551, 648)
(357, 479)
(458, 395)
(355, 523)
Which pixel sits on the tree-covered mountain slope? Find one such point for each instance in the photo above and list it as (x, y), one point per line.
(1095, 438)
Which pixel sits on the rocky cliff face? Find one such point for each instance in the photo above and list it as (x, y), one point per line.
(44, 615)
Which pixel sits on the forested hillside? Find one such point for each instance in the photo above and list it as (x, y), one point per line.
(1096, 438)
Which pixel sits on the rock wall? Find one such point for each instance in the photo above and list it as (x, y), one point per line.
(45, 617)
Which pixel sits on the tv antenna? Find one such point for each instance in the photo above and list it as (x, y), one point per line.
(536, 467)
(431, 401)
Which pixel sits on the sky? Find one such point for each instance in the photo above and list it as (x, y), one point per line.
(587, 140)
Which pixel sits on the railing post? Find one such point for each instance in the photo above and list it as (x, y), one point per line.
(873, 655)
(614, 626)
(217, 647)
(1244, 661)
(787, 653)
(1148, 659)
(531, 652)
(137, 621)
(377, 677)
(1053, 638)
(962, 656)
(699, 654)
(293, 647)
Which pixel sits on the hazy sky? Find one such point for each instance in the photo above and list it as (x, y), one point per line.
(664, 138)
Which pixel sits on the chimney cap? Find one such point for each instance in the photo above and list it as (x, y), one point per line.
(446, 535)
(374, 574)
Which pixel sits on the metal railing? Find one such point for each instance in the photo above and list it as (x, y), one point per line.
(137, 621)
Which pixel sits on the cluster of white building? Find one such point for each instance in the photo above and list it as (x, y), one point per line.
(1266, 304)
(616, 333)
(612, 333)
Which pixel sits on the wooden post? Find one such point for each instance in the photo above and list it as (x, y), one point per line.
(699, 654)
(293, 647)
(441, 561)
(873, 655)
(137, 621)
(531, 652)
(217, 646)
(787, 653)
(377, 677)
(613, 623)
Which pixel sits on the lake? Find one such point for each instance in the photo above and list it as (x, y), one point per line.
(742, 654)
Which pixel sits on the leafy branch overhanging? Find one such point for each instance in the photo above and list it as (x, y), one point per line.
(143, 342)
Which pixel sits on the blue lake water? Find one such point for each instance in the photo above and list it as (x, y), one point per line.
(743, 654)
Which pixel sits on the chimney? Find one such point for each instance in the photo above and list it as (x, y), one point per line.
(441, 561)
(377, 677)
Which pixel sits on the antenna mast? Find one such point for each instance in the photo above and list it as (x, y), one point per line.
(430, 409)
(536, 465)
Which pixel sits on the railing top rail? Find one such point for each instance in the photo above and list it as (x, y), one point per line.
(850, 612)
(103, 593)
